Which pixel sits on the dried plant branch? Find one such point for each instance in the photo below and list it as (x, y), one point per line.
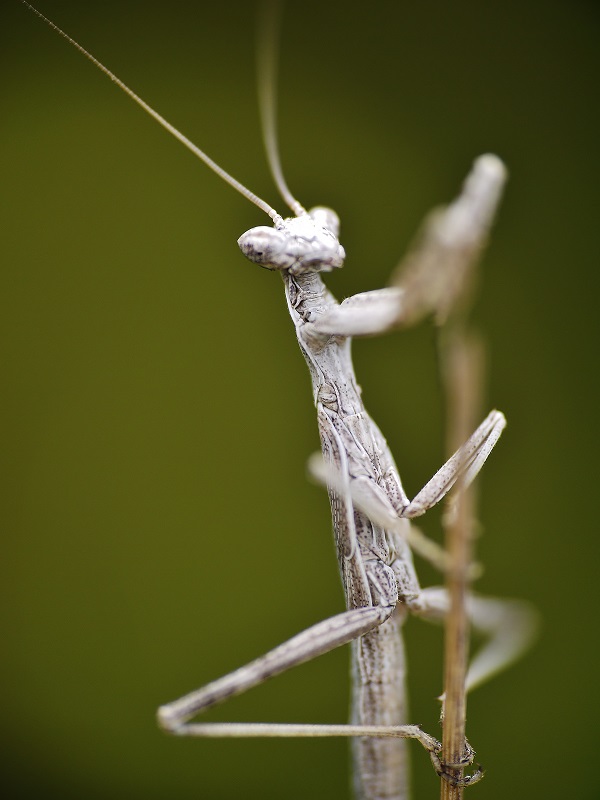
(461, 362)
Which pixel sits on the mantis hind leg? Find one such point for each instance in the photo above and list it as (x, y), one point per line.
(508, 627)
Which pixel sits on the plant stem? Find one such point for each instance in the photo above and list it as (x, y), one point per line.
(461, 375)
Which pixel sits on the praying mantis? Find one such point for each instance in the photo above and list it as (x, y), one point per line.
(371, 511)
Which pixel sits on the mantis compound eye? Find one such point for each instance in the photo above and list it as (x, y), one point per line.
(327, 218)
(266, 246)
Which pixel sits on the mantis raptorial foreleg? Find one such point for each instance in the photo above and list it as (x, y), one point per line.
(433, 274)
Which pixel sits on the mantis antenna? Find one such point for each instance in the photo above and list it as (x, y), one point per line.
(275, 216)
(268, 58)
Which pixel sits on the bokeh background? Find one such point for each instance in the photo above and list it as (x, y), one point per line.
(158, 527)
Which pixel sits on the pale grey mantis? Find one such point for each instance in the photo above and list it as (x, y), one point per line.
(371, 511)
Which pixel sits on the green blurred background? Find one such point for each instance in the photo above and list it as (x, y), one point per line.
(158, 526)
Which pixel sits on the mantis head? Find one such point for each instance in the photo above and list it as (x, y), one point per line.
(306, 243)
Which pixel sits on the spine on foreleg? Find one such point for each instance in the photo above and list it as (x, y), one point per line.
(381, 767)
